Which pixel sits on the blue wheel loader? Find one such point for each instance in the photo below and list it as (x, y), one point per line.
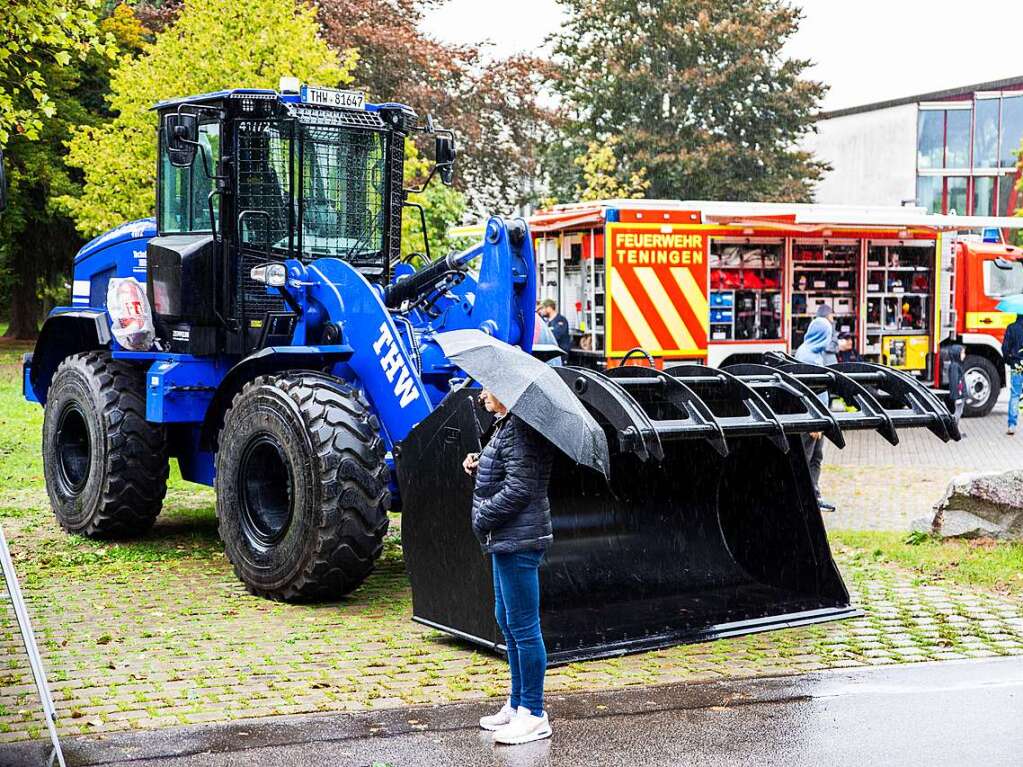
(264, 330)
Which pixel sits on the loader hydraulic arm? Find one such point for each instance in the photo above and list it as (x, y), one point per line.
(434, 275)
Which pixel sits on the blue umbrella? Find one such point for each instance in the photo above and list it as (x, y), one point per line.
(1011, 304)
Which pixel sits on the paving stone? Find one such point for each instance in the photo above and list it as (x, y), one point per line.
(188, 644)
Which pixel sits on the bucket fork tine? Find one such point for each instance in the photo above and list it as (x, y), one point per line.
(636, 433)
(684, 399)
(911, 393)
(760, 417)
(780, 381)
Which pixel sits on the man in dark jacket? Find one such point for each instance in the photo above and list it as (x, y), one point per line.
(1012, 352)
(956, 381)
(847, 348)
(511, 517)
(557, 323)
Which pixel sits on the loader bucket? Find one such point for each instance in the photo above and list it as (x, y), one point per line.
(708, 526)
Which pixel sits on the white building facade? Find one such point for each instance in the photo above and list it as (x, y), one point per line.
(947, 151)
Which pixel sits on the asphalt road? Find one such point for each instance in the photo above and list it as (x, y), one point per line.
(935, 714)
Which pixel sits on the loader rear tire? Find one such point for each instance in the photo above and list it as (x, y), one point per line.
(105, 464)
(302, 487)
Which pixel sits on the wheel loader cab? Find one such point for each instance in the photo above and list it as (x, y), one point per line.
(246, 178)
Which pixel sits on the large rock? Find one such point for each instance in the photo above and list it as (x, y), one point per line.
(987, 505)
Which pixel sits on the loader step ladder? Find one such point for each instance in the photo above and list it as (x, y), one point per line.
(31, 649)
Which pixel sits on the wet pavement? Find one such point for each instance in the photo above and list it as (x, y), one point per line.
(934, 714)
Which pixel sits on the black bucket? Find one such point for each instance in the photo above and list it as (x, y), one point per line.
(708, 528)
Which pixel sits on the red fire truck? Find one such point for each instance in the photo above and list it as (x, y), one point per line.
(718, 282)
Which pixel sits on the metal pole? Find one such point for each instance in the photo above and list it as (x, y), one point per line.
(31, 648)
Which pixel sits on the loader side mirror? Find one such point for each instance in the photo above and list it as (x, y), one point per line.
(1004, 264)
(3, 183)
(182, 137)
(445, 154)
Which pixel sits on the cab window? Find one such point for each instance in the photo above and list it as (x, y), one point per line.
(184, 192)
(1004, 278)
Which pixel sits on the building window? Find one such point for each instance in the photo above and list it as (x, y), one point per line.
(984, 196)
(1012, 129)
(929, 193)
(957, 138)
(985, 134)
(964, 150)
(1008, 196)
(955, 191)
(930, 138)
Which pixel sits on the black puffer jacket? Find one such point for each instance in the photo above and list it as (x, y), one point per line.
(510, 510)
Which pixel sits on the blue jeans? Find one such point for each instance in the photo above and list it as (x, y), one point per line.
(517, 609)
(1015, 389)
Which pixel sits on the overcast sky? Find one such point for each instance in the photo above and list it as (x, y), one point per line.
(866, 50)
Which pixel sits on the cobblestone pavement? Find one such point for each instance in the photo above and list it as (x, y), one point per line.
(159, 643)
(158, 632)
(877, 486)
(985, 447)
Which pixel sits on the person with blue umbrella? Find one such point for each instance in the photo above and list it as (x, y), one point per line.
(1012, 352)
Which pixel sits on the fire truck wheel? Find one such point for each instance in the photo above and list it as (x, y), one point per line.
(982, 386)
(302, 487)
(105, 464)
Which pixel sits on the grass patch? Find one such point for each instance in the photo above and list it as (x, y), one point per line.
(996, 565)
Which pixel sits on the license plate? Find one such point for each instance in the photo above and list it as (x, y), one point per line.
(332, 97)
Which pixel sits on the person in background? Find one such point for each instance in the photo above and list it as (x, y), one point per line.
(557, 323)
(812, 351)
(1012, 352)
(824, 311)
(511, 518)
(956, 380)
(846, 349)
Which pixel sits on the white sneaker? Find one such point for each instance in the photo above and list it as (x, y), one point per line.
(500, 719)
(524, 728)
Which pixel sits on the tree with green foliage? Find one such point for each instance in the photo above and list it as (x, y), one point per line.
(211, 45)
(603, 177)
(35, 37)
(444, 206)
(698, 91)
(36, 239)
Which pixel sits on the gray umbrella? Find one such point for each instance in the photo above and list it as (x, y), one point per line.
(531, 390)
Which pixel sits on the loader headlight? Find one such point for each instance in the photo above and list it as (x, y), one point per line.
(274, 275)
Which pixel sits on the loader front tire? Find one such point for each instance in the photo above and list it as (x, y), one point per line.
(105, 464)
(301, 487)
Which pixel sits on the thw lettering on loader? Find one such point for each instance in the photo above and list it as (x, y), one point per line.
(394, 367)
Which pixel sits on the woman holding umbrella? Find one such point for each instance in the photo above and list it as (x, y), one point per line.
(511, 517)
(536, 412)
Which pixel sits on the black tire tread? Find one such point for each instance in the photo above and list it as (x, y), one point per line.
(353, 493)
(135, 480)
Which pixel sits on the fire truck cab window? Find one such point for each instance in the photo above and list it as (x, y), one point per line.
(1004, 278)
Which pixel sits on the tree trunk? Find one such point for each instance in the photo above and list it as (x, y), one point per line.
(24, 307)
